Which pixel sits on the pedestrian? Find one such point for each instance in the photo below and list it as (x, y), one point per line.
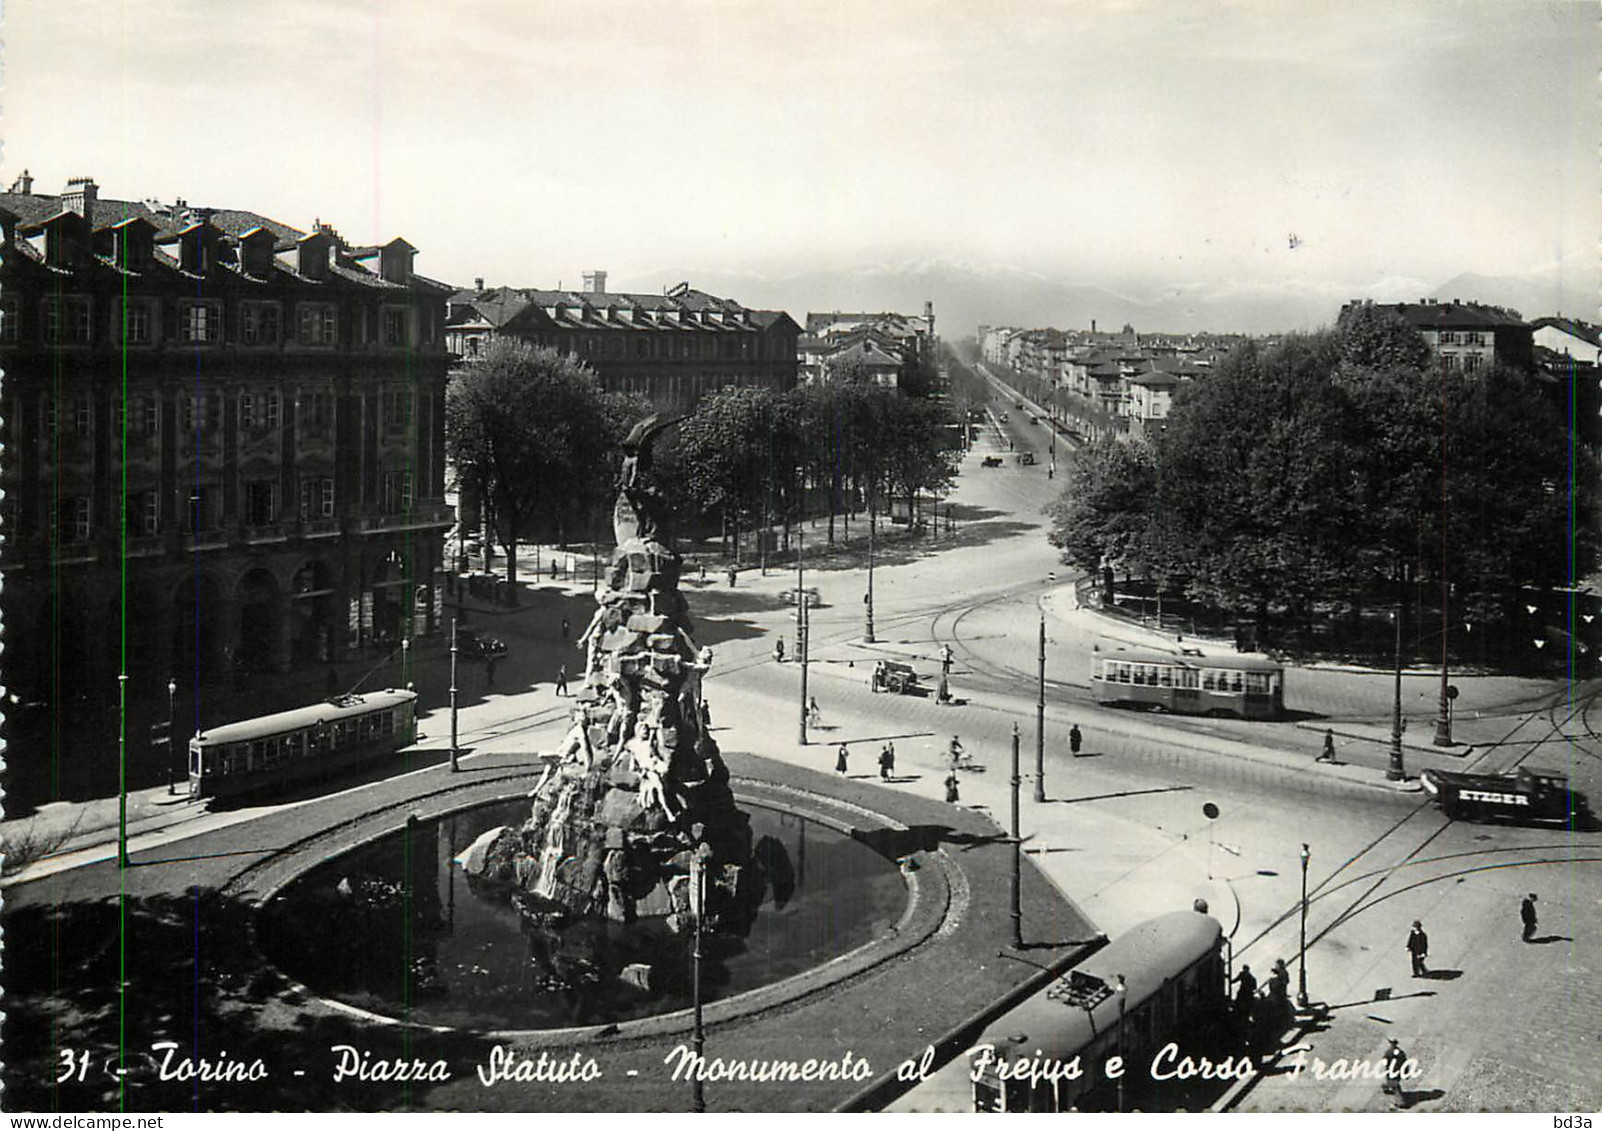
(1395, 1066)
(814, 715)
(1245, 995)
(1527, 913)
(840, 760)
(957, 752)
(887, 763)
(566, 628)
(951, 789)
(489, 671)
(778, 650)
(1279, 996)
(561, 680)
(706, 716)
(731, 577)
(702, 564)
(1075, 740)
(1418, 946)
(1329, 747)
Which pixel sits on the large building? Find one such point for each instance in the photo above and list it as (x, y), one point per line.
(1466, 336)
(674, 347)
(231, 427)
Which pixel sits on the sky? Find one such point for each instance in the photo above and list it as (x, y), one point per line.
(1125, 144)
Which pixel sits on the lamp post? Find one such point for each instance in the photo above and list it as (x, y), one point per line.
(1301, 963)
(867, 633)
(1397, 771)
(1443, 718)
(801, 629)
(1121, 988)
(455, 750)
(406, 654)
(172, 699)
(698, 909)
(122, 770)
(1040, 719)
(1015, 909)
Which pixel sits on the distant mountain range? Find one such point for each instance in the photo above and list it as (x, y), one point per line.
(966, 295)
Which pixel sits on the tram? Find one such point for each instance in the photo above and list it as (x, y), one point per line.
(274, 751)
(1246, 687)
(1173, 977)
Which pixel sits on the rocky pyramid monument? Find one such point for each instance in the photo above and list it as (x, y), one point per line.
(638, 785)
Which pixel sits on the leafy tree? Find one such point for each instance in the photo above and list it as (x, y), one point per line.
(529, 431)
(1105, 511)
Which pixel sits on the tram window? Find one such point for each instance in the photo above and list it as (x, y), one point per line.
(1123, 672)
(1235, 682)
(1257, 683)
(389, 720)
(1208, 681)
(1165, 677)
(194, 762)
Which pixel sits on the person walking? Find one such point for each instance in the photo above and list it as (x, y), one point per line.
(778, 650)
(887, 763)
(561, 680)
(732, 572)
(1527, 913)
(1279, 997)
(957, 752)
(951, 789)
(1395, 1066)
(1245, 996)
(1418, 947)
(814, 715)
(1075, 740)
(1329, 747)
(566, 628)
(840, 760)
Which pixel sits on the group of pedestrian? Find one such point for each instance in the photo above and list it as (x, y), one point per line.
(887, 761)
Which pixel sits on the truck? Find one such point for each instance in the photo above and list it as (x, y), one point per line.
(1527, 794)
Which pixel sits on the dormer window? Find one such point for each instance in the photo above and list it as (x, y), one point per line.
(256, 252)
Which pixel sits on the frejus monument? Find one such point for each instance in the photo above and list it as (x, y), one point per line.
(637, 785)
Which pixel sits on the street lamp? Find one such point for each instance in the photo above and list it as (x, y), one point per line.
(1016, 909)
(801, 627)
(1443, 719)
(698, 863)
(1396, 770)
(455, 750)
(172, 697)
(1121, 988)
(1040, 720)
(867, 634)
(1301, 963)
(406, 652)
(122, 770)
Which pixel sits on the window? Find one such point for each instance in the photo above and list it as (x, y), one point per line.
(395, 327)
(202, 412)
(319, 323)
(66, 321)
(10, 313)
(201, 514)
(316, 413)
(258, 411)
(261, 502)
(316, 499)
(144, 513)
(397, 410)
(72, 519)
(1471, 362)
(136, 324)
(1448, 338)
(1477, 338)
(200, 322)
(397, 492)
(258, 323)
(83, 417)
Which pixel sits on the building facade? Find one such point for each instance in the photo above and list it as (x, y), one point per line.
(673, 348)
(1466, 336)
(232, 428)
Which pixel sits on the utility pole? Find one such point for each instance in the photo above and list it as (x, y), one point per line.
(801, 628)
(867, 634)
(1397, 770)
(698, 862)
(1443, 719)
(455, 750)
(1040, 720)
(122, 770)
(1016, 907)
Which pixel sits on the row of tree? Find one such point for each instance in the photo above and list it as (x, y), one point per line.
(1329, 469)
(534, 438)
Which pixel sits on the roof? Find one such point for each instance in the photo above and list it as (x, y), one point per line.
(1062, 1019)
(1454, 315)
(300, 718)
(1225, 662)
(1582, 330)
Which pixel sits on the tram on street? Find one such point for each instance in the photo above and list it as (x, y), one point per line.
(1161, 978)
(1246, 687)
(273, 751)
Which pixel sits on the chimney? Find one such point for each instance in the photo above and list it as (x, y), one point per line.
(595, 282)
(23, 184)
(478, 285)
(80, 197)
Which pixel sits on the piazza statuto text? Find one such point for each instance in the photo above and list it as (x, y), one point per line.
(507, 1065)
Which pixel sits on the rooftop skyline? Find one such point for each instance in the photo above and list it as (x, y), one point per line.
(1160, 151)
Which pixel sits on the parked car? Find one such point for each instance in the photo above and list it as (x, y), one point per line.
(471, 646)
(990, 461)
(1026, 457)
